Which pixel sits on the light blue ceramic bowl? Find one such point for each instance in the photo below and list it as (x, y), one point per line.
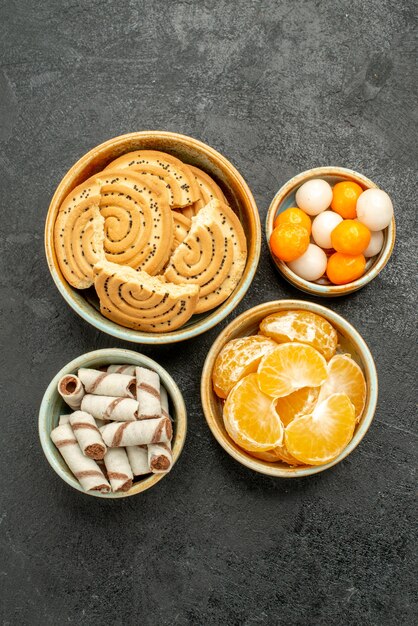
(285, 198)
(53, 406)
(189, 150)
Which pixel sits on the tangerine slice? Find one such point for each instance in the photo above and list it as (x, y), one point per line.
(303, 327)
(250, 417)
(319, 437)
(345, 376)
(296, 404)
(289, 367)
(238, 358)
(268, 455)
(283, 454)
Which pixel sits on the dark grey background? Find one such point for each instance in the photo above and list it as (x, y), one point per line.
(277, 87)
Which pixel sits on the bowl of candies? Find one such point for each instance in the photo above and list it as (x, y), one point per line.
(330, 231)
(289, 388)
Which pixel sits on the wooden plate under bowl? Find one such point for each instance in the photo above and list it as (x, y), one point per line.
(247, 324)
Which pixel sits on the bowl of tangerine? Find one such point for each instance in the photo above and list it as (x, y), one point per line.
(330, 230)
(289, 388)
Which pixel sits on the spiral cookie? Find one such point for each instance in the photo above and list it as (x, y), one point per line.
(78, 234)
(138, 222)
(182, 226)
(177, 176)
(142, 302)
(209, 190)
(213, 255)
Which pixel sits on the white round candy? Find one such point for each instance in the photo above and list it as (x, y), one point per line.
(375, 245)
(374, 209)
(311, 265)
(322, 227)
(314, 196)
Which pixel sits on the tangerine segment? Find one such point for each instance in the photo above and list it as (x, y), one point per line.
(303, 327)
(250, 417)
(345, 376)
(238, 358)
(283, 454)
(289, 367)
(296, 404)
(268, 456)
(319, 437)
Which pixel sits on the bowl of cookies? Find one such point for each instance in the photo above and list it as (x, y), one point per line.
(289, 388)
(153, 237)
(330, 231)
(112, 423)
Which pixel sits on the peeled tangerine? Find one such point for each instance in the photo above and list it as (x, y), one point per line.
(345, 376)
(238, 358)
(250, 417)
(289, 367)
(320, 436)
(303, 327)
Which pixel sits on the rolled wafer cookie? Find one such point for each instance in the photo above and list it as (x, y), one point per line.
(138, 222)
(164, 402)
(212, 256)
(177, 176)
(138, 459)
(71, 390)
(148, 393)
(121, 369)
(64, 419)
(118, 469)
(88, 435)
(79, 234)
(160, 458)
(135, 300)
(107, 384)
(87, 472)
(209, 190)
(138, 433)
(110, 408)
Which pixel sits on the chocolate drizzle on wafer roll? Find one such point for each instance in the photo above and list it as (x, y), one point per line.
(141, 432)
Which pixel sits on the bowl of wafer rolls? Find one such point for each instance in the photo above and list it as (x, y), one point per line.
(112, 423)
(153, 237)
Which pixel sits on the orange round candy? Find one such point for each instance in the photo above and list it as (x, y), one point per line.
(344, 198)
(344, 268)
(289, 241)
(350, 237)
(293, 215)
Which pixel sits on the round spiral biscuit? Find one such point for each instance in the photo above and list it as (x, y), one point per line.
(177, 176)
(212, 255)
(78, 234)
(209, 190)
(142, 302)
(138, 222)
(182, 226)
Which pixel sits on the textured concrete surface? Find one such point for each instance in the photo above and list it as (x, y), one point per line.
(277, 87)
